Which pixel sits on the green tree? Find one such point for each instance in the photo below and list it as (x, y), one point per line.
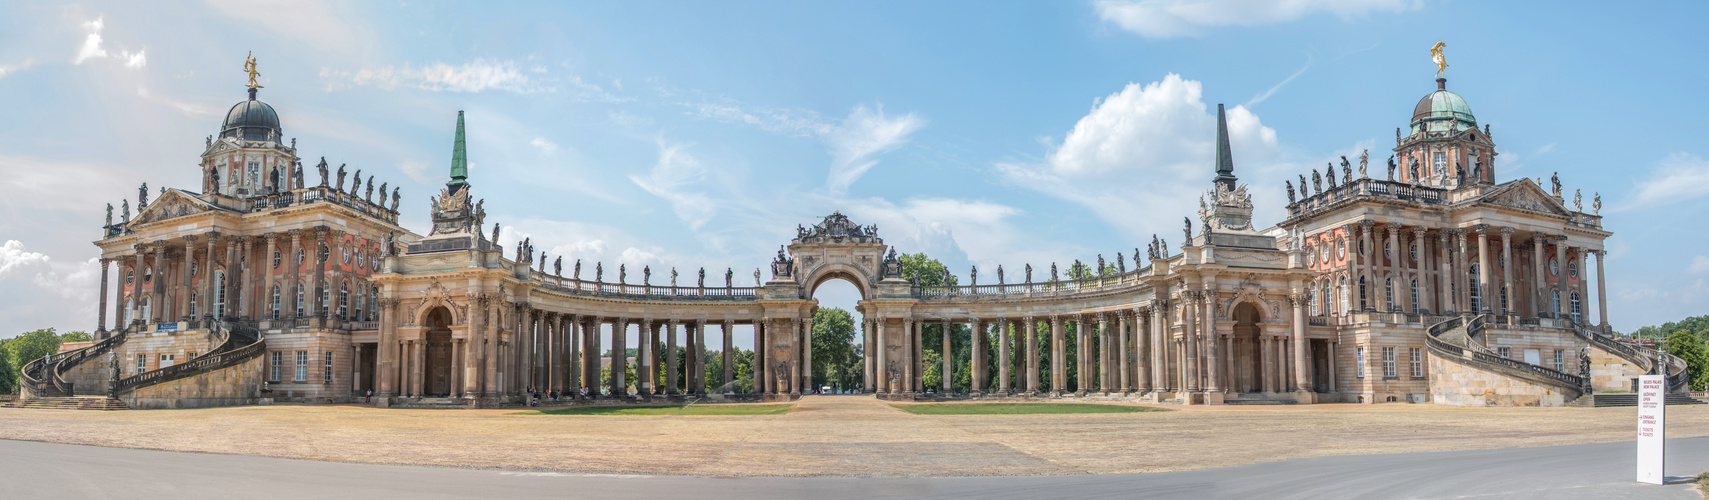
(76, 337)
(835, 360)
(1690, 347)
(8, 370)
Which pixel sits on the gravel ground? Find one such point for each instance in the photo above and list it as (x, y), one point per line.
(838, 435)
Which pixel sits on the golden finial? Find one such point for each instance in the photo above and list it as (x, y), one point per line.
(1441, 61)
(249, 66)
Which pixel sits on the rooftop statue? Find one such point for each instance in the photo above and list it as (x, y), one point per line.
(495, 232)
(249, 67)
(702, 281)
(673, 277)
(369, 193)
(973, 277)
(1391, 167)
(1346, 170)
(1437, 57)
(322, 168)
(1554, 180)
(1029, 273)
(1316, 182)
(999, 274)
(383, 187)
(598, 272)
(109, 214)
(356, 182)
(125, 210)
(558, 266)
(395, 197)
(728, 274)
(578, 272)
(1364, 158)
(1578, 200)
(1290, 185)
(141, 198)
(1595, 205)
(1187, 231)
(340, 186)
(646, 275)
(1329, 173)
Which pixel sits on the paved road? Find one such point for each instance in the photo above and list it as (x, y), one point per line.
(1600, 471)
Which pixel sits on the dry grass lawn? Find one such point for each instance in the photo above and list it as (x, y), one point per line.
(837, 435)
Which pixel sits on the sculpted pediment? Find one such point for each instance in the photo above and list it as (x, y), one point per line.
(172, 205)
(1525, 196)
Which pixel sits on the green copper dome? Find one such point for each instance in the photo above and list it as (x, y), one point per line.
(1442, 111)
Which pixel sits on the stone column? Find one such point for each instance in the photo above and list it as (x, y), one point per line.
(244, 298)
(229, 292)
(1123, 357)
(472, 343)
(919, 361)
(1368, 268)
(644, 370)
(801, 327)
(672, 387)
(728, 357)
(881, 370)
(490, 354)
(1394, 264)
(418, 365)
(1213, 359)
(759, 356)
(1302, 378)
(1105, 358)
(574, 331)
(184, 278)
(1583, 286)
(1464, 294)
(1417, 271)
(700, 355)
(1190, 341)
(1560, 279)
(976, 357)
(1058, 362)
(1006, 334)
(1032, 354)
(1142, 350)
(1087, 368)
(267, 269)
(321, 292)
(869, 353)
(296, 271)
(385, 351)
(1266, 365)
(1445, 273)
(806, 359)
(101, 308)
(1601, 290)
(620, 358)
(948, 372)
(130, 273)
(1334, 352)
(1506, 263)
(157, 284)
(1539, 299)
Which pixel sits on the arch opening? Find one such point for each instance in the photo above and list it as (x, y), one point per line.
(1248, 347)
(837, 346)
(438, 342)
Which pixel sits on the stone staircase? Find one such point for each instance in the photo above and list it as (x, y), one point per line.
(1254, 399)
(1629, 399)
(68, 403)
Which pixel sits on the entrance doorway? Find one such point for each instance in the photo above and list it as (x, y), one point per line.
(438, 365)
(836, 362)
(1249, 360)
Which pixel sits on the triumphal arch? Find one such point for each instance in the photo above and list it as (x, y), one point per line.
(1436, 282)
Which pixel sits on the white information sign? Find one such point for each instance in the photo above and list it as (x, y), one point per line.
(1652, 427)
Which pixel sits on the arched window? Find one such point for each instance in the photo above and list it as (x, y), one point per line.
(146, 309)
(302, 300)
(219, 294)
(343, 300)
(275, 301)
(1476, 290)
(1555, 297)
(1363, 292)
(130, 313)
(1324, 300)
(1578, 313)
(1343, 294)
(130, 277)
(1415, 296)
(148, 275)
(1388, 292)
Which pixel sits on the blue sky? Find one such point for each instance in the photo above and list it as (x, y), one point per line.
(700, 134)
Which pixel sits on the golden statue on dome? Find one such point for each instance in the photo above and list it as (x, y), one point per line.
(249, 66)
(1437, 57)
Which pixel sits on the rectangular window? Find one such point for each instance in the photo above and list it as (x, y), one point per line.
(1560, 361)
(273, 369)
(1359, 360)
(191, 355)
(1416, 356)
(141, 363)
(1388, 363)
(1504, 352)
(302, 374)
(328, 368)
(165, 360)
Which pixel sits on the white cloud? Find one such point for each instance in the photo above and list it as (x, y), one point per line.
(1700, 264)
(473, 76)
(1266, 95)
(866, 132)
(14, 258)
(544, 145)
(33, 185)
(1142, 155)
(416, 170)
(315, 23)
(670, 177)
(91, 47)
(1178, 18)
(1678, 178)
(9, 69)
(191, 108)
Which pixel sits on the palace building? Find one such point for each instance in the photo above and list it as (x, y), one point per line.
(1428, 281)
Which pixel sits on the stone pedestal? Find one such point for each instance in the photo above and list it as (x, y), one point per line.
(1214, 398)
(1305, 397)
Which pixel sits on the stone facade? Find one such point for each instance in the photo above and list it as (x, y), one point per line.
(1335, 303)
(230, 386)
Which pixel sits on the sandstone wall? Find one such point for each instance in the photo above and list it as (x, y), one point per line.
(1609, 372)
(229, 386)
(1452, 383)
(92, 376)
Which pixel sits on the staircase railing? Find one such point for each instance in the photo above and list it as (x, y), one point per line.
(242, 343)
(1678, 375)
(1451, 339)
(71, 359)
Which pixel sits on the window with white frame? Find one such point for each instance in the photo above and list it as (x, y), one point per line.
(1476, 290)
(1560, 360)
(302, 372)
(275, 301)
(1416, 357)
(1578, 311)
(219, 294)
(343, 300)
(1359, 361)
(1415, 296)
(273, 367)
(166, 360)
(141, 363)
(328, 367)
(1504, 352)
(301, 299)
(1440, 161)
(1388, 363)
(1388, 292)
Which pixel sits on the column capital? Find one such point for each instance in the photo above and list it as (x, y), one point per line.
(1506, 231)
(1367, 224)
(189, 239)
(1394, 226)
(1482, 229)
